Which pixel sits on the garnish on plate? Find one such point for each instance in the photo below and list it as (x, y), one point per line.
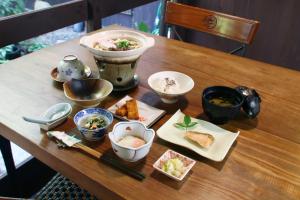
(187, 123)
(202, 139)
(123, 44)
(117, 44)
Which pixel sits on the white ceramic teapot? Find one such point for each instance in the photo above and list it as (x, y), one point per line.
(70, 67)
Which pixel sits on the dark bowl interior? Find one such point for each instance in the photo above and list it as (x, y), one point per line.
(83, 87)
(219, 114)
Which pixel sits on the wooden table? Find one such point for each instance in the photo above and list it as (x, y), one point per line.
(264, 163)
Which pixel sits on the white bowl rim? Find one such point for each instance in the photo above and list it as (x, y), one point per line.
(148, 42)
(150, 80)
(132, 148)
(116, 31)
(86, 100)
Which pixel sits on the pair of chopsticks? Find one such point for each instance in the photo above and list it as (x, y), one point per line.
(110, 161)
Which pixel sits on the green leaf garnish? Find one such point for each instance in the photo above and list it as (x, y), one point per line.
(123, 44)
(187, 123)
(192, 124)
(179, 125)
(187, 120)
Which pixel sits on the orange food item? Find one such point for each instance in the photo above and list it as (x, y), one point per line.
(122, 111)
(132, 109)
(203, 139)
(129, 110)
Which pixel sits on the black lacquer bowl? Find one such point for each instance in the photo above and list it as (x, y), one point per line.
(83, 87)
(219, 114)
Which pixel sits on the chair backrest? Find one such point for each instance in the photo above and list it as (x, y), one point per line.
(216, 23)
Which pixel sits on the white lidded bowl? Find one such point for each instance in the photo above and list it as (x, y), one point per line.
(183, 84)
(137, 129)
(144, 41)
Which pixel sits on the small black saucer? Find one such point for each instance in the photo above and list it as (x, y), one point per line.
(132, 84)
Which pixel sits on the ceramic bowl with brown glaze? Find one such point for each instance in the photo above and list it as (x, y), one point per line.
(87, 92)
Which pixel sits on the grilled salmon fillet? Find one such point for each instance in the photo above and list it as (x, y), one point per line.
(203, 139)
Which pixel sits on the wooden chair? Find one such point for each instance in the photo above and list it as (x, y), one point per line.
(227, 26)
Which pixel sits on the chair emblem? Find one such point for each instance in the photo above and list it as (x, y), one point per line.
(210, 21)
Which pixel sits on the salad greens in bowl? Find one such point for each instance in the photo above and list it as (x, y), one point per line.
(93, 123)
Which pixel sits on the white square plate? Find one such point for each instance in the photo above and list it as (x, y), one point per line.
(217, 151)
(169, 154)
(148, 114)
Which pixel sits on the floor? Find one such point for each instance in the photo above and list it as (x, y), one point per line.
(19, 156)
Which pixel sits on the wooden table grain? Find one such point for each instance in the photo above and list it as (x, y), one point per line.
(264, 162)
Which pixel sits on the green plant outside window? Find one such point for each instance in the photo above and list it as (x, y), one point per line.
(11, 7)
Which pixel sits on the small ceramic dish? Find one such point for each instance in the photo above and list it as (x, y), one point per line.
(148, 115)
(187, 162)
(136, 129)
(101, 89)
(54, 74)
(51, 111)
(169, 85)
(92, 134)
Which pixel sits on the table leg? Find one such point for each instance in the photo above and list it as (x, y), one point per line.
(7, 155)
(6, 151)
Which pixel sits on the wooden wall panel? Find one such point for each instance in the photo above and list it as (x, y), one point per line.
(278, 38)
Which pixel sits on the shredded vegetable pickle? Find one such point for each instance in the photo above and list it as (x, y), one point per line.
(174, 167)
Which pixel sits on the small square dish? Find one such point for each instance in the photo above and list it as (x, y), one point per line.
(147, 115)
(174, 165)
